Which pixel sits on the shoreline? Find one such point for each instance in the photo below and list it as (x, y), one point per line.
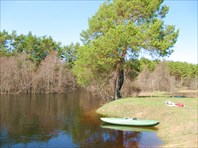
(178, 125)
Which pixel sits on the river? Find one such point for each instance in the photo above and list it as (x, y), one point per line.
(63, 120)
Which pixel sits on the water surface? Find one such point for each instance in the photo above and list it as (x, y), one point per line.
(62, 121)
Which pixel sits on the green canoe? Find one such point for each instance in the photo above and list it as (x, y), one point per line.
(130, 121)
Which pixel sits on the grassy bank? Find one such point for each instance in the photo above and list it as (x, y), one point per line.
(178, 125)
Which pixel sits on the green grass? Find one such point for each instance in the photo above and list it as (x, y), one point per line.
(178, 125)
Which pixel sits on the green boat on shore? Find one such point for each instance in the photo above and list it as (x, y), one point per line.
(130, 121)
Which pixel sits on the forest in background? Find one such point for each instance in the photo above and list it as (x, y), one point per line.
(31, 64)
(109, 61)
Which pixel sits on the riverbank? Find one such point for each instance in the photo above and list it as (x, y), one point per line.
(178, 125)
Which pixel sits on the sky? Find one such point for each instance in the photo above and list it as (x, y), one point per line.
(64, 20)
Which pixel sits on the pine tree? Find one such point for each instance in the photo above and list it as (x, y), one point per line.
(116, 33)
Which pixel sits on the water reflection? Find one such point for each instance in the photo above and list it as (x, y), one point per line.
(60, 121)
(129, 128)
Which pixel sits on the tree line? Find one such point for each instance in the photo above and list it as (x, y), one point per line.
(168, 75)
(32, 64)
(52, 72)
(178, 69)
(35, 48)
(108, 59)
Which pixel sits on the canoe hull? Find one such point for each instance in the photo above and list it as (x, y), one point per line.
(130, 121)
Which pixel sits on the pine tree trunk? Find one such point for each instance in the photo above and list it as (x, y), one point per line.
(120, 83)
(116, 83)
(119, 80)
